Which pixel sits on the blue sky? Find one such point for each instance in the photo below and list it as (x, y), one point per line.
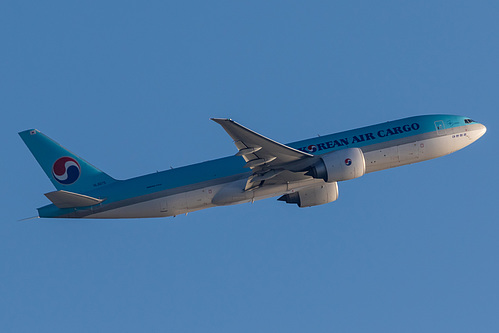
(130, 86)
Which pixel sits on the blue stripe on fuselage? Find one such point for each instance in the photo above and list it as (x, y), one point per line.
(234, 165)
(379, 133)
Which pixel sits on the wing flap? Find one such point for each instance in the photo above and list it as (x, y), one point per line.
(64, 199)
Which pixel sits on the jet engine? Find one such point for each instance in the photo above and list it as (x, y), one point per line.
(313, 196)
(339, 165)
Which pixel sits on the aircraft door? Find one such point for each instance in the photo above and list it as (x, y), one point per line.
(439, 125)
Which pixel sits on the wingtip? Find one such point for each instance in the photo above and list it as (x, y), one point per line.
(220, 120)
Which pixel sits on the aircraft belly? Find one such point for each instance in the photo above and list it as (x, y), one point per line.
(162, 207)
(145, 209)
(276, 190)
(234, 193)
(186, 202)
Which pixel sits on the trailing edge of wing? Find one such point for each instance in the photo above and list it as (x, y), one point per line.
(65, 199)
(258, 150)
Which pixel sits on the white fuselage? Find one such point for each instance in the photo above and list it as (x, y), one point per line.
(232, 192)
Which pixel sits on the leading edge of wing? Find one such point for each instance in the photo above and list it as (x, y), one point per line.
(254, 147)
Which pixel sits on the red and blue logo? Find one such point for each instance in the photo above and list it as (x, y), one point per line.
(312, 148)
(348, 162)
(66, 170)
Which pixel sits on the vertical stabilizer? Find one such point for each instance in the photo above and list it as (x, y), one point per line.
(66, 170)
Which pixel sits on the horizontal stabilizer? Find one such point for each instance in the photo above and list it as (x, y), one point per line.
(65, 199)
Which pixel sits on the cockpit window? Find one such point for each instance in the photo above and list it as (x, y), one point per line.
(469, 121)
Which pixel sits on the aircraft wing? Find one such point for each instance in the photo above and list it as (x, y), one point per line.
(265, 157)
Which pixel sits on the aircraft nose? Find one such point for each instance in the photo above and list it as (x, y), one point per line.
(481, 130)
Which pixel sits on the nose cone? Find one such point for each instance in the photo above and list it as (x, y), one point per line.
(476, 131)
(480, 131)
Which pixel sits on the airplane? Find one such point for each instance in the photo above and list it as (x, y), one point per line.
(305, 173)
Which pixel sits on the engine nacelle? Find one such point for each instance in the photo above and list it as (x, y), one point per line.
(313, 196)
(340, 165)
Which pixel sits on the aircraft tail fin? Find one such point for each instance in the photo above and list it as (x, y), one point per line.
(65, 170)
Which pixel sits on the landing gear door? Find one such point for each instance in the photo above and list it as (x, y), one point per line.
(440, 127)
